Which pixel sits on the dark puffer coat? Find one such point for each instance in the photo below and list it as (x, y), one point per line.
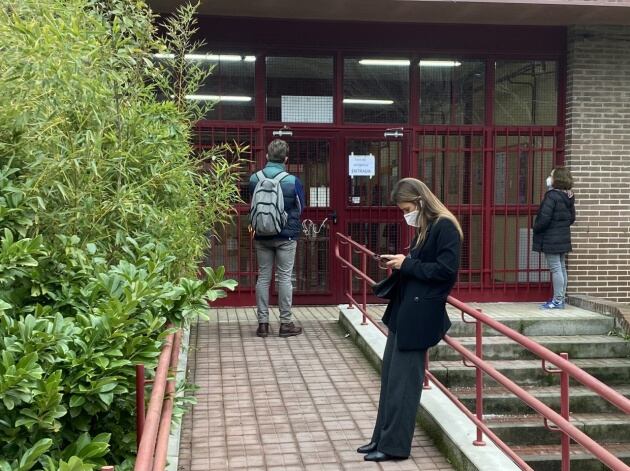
(552, 226)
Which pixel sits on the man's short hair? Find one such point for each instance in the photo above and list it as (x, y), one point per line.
(277, 150)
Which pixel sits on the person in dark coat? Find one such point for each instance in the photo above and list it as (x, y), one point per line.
(416, 315)
(552, 231)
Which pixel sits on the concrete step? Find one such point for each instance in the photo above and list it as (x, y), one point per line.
(500, 401)
(612, 371)
(526, 318)
(547, 457)
(530, 430)
(577, 346)
(567, 322)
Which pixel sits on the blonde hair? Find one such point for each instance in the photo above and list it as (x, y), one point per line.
(430, 208)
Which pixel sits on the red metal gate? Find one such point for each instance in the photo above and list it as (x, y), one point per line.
(492, 178)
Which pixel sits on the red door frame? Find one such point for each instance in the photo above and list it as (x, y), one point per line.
(318, 214)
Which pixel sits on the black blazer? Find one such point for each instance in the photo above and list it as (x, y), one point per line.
(552, 226)
(426, 278)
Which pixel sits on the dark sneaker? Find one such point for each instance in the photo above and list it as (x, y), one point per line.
(263, 330)
(289, 330)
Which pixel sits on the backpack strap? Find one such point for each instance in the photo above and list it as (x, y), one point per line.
(281, 176)
(260, 175)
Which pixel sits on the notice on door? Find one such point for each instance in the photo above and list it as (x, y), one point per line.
(361, 165)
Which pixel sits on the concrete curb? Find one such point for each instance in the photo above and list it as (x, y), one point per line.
(620, 312)
(451, 430)
(172, 457)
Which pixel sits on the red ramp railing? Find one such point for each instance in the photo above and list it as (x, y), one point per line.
(559, 365)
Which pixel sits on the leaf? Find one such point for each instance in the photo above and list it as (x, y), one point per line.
(77, 401)
(31, 455)
(74, 464)
(107, 398)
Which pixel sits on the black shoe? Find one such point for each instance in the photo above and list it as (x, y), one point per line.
(263, 329)
(289, 330)
(370, 447)
(378, 456)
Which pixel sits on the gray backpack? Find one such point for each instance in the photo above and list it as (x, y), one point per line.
(266, 214)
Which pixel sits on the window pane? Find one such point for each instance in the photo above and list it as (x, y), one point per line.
(376, 90)
(230, 86)
(300, 89)
(526, 92)
(452, 91)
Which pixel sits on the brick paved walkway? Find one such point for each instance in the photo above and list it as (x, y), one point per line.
(302, 403)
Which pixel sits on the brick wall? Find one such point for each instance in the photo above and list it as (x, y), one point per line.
(598, 153)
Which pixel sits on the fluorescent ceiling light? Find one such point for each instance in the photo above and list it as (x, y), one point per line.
(403, 62)
(219, 98)
(209, 57)
(437, 63)
(367, 101)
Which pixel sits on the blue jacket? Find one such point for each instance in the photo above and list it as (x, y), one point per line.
(294, 200)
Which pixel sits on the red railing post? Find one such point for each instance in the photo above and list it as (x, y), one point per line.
(161, 444)
(364, 283)
(479, 381)
(350, 306)
(565, 441)
(140, 405)
(425, 383)
(146, 449)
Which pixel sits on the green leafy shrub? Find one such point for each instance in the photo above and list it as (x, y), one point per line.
(103, 216)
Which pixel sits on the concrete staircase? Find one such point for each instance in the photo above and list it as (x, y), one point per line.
(584, 336)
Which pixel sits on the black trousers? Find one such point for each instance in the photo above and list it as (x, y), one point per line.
(401, 386)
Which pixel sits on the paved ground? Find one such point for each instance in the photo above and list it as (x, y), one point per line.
(303, 403)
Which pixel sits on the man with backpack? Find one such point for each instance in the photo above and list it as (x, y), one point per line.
(276, 205)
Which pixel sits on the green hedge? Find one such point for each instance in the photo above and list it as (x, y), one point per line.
(103, 216)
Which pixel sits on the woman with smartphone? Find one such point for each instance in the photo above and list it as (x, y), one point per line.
(415, 316)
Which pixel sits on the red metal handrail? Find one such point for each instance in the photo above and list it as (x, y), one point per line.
(562, 366)
(153, 429)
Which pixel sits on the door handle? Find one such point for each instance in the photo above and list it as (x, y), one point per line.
(333, 217)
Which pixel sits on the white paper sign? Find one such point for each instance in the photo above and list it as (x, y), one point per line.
(361, 165)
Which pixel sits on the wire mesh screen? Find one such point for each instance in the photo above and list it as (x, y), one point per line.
(380, 238)
(300, 89)
(526, 92)
(452, 167)
(231, 246)
(376, 90)
(522, 161)
(312, 274)
(309, 160)
(248, 139)
(230, 86)
(374, 190)
(452, 91)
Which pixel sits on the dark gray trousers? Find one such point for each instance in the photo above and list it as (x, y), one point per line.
(401, 386)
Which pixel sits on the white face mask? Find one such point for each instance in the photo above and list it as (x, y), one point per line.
(412, 218)
(549, 182)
